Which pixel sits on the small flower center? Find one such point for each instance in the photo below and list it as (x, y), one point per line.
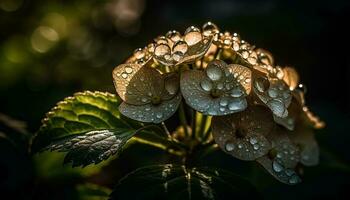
(215, 93)
(156, 100)
(272, 154)
(240, 133)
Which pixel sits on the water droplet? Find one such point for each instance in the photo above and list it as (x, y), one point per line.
(289, 172)
(173, 35)
(206, 85)
(214, 72)
(252, 60)
(162, 50)
(245, 54)
(180, 47)
(223, 102)
(220, 86)
(192, 36)
(256, 146)
(235, 46)
(237, 104)
(294, 179)
(229, 146)
(236, 92)
(177, 56)
(209, 28)
(212, 112)
(159, 115)
(303, 88)
(253, 140)
(139, 53)
(124, 75)
(240, 146)
(276, 166)
(128, 70)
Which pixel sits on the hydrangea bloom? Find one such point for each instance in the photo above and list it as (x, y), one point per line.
(258, 109)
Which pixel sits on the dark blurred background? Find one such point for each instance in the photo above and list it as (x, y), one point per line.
(51, 49)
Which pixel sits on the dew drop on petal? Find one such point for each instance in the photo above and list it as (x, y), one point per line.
(144, 99)
(206, 85)
(236, 92)
(294, 179)
(223, 102)
(253, 140)
(159, 115)
(192, 36)
(276, 166)
(214, 72)
(173, 36)
(256, 146)
(237, 104)
(229, 146)
(162, 50)
(128, 70)
(180, 47)
(209, 28)
(124, 75)
(139, 53)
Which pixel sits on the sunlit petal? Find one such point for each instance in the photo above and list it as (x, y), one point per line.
(150, 113)
(243, 135)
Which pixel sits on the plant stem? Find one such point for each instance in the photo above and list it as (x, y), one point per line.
(183, 119)
(193, 124)
(166, 130)
(159, 145)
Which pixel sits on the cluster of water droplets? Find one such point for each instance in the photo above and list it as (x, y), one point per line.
(275, 94)
(284, 162)
(242, 135)
(149, 112)
(224, 90)
(174, 48)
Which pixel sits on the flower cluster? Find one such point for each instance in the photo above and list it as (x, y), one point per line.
(258, 109)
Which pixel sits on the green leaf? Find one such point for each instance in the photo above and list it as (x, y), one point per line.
(90, 191)
(88, 126)
(93, 146)
(177, 182)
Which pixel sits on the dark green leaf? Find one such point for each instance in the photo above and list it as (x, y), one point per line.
(178, 182)
(88, 126)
